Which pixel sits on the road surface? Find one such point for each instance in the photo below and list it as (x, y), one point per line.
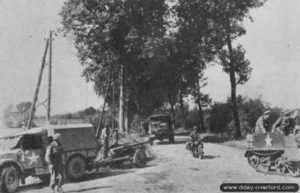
(173, 170)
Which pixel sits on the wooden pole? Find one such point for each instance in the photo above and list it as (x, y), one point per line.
(32, 110)
(49, 78)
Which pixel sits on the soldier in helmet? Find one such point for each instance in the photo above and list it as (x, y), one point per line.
(195, 135)
(263, 123)
(285, 123)
(54, 159)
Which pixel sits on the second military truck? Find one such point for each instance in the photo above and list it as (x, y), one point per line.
(160, 127)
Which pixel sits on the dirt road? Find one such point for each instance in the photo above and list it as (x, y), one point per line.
(173, 170)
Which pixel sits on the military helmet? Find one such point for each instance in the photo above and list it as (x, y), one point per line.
(287, 113)
(56, 136)
(267, 112)
(195, 128)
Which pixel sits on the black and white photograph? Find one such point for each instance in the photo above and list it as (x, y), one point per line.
(149, 96)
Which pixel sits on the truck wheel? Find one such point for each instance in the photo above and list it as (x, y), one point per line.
(10, 179)
(76, 168)
(188, 146)
(171, 138)
(139, 158)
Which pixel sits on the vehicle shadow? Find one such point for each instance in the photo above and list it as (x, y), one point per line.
(87, 177)
(210, 156)
(101, 174)
(213, 139)
(177, 141)
(32, 186)
(89, 189)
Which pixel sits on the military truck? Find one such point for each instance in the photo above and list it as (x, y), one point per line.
(160, 127)
(23, 154)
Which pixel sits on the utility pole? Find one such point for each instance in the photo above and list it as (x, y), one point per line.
(49, 78)
(33, 106)
(103, 107)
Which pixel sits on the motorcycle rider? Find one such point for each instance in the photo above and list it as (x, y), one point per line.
(195, 136)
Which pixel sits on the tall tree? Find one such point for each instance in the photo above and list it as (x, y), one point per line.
(196, 48)
(202, 100)
(228, 17)
(121, 32)
(238, 68)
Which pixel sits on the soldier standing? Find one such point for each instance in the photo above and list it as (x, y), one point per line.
(54, 159)
(105, 140)
(285, 123)
(263, 123)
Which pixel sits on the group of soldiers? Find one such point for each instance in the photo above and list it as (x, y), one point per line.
(284, 124)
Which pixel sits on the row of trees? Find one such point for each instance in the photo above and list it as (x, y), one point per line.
(157, 51)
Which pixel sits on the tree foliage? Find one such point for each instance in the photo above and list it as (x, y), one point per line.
(125, 33)
(160, 51)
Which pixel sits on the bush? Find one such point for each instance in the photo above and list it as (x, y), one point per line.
(221, 119)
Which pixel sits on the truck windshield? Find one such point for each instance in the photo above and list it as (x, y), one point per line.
(10, 143)
(164, 119)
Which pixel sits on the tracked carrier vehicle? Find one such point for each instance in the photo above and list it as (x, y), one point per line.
(275, 153)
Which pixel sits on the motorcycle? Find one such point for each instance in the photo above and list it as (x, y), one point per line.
(196, 148)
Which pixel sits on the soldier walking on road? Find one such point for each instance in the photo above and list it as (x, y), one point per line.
(54, 160)
(105, 140)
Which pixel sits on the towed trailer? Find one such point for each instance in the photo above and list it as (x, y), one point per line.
(134, 153)
(23, 154)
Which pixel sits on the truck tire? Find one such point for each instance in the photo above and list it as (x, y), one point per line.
(10, 179)
(76, 168)
(171, 138)
(139, 158)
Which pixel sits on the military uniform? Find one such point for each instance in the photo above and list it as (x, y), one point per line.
(195, 136)
(54, 159)
(262, 125)
(284, 124)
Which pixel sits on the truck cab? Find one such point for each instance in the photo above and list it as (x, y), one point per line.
(160, 127)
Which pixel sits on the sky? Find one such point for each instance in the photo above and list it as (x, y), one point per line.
(272, 43)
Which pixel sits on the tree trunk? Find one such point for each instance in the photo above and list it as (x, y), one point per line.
(173, 115)
(200, 111)
(233, 91)
(121, 103)
(182, 110)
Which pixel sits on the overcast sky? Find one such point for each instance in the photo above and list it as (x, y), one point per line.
(272, 43)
